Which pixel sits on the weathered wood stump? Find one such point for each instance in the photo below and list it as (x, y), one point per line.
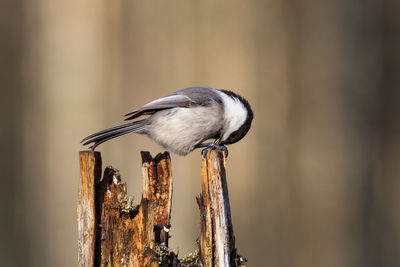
(217, 242)
(90, 174)
(115, 232)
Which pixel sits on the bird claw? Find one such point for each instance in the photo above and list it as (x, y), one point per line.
(211, 146)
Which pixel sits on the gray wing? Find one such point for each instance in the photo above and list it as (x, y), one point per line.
(171, 101)
(187, 97)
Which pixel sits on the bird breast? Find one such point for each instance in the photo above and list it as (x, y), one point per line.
(180, 129)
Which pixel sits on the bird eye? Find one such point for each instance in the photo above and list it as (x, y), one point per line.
(234, 134)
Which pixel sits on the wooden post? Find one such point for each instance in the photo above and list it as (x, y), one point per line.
(90, 173)
(115, 232)
(217, 242)
(121, 233)
(157, 187)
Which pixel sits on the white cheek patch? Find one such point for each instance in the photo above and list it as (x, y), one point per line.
(235, 114)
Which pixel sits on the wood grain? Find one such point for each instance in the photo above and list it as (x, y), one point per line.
(113, 230)
(90, 173)
(217, 241)
(157, 187)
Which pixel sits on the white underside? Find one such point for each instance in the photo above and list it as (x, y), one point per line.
(180, 129)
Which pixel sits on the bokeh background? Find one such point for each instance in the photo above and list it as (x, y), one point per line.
(314, 183)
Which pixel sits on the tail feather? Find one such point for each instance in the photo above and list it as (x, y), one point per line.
(106, 138)
(105, 135)
(105, 131)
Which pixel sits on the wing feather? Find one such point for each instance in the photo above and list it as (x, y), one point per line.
(171, 101)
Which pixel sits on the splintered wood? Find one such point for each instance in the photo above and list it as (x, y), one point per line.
(90, 173)
(217, 242)
(157, 187)
(115, 232)
(126, 231)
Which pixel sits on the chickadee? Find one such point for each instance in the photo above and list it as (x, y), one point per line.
(185, 119)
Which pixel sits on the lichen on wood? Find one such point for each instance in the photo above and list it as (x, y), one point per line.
(127, 236)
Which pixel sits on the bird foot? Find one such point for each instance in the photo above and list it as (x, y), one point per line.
(211, 146)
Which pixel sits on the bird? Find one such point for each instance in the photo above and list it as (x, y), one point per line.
(185, 119)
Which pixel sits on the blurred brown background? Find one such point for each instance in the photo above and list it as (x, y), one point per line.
(315, 182)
